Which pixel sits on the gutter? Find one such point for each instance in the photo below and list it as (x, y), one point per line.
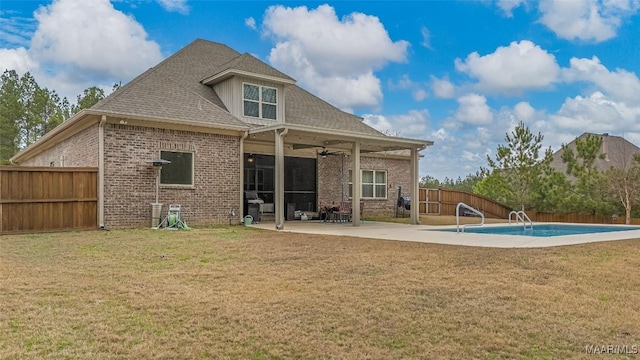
(101, 172)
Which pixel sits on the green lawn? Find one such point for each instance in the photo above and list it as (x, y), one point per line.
(238, 293)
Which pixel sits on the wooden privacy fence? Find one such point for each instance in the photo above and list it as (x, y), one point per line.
(579, 218)
(38, 199)
(444, 202)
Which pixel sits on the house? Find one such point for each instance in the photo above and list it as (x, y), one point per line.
(228, 123)
(617, 152)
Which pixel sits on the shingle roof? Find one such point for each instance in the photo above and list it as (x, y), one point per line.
(619, 153)
(303, 108)
(173, 90)
(248, 63)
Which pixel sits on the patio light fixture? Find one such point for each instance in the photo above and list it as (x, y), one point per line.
(156, 208)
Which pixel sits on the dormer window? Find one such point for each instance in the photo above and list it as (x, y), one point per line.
(259, 101)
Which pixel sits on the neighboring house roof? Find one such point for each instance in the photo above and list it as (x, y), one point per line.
(618, 152)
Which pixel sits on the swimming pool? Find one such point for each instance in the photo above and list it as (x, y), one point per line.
(545, 230)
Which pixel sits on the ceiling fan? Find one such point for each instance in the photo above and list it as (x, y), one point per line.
(326, 152)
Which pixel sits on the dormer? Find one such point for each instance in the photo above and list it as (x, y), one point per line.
(251, 90)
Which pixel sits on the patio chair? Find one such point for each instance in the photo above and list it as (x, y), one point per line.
(344, 213)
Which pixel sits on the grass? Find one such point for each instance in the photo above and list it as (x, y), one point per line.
(238, 293)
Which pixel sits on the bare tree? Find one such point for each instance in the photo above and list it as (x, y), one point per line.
(624, 183)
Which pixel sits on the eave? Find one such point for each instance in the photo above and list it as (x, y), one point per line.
(226, 74)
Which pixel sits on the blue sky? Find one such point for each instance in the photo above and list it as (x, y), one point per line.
(460, 73)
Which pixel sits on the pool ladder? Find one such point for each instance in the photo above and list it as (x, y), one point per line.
(521, 216)
(458, 217)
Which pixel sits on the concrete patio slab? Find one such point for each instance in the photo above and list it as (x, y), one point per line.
(430, 234)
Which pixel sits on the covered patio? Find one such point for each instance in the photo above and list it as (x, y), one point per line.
(302, 140)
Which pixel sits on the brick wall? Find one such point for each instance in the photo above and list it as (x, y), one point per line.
(130, 179)
(330, 187)
(81, 150)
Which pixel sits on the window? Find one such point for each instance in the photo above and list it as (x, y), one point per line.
(374, 184)
(180, 171)
(259, 101)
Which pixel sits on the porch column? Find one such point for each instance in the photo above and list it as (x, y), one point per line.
(357, 185)
(279, 206)
(415, 207)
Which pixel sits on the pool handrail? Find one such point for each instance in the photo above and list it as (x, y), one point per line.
(521, 216)
(458, 217)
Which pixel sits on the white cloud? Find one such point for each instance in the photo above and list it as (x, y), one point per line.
(16, 59)
(524, 112)
(179, 6)
(597, 113)
(442, 88)
(71, 45)
(250, 22)
(591, 20)
(419, 95)
(334, 58)
(619, 84)
(440, 134)
(412, 124)
(378, 122)
(508, 5)
(473, 110)
(403, 84)
(426, 37)
(471, 156)
(510, 70)
(103, 47)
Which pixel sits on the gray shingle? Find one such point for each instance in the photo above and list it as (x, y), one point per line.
(248, 63)
(303, 108)
(172, 90)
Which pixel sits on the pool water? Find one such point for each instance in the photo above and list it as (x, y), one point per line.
(545, 230)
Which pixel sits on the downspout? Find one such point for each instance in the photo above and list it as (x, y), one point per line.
(241, 207)
(280, 179)
(101, 172)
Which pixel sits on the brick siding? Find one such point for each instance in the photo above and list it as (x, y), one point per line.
(81, 150)
(130, 178)
(330, 183)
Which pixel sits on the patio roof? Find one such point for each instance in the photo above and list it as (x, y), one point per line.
(302, 137)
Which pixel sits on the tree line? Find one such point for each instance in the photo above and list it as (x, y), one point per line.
(522, 178)
(28, 111)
